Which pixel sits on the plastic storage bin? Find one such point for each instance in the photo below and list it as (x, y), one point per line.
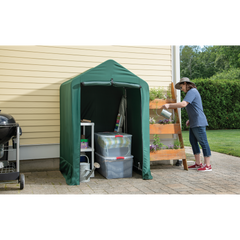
(111, 144)
(115, 167)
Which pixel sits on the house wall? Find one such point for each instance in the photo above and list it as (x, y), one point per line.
(30, 78)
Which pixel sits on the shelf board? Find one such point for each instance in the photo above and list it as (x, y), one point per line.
(168, 154)
(157, 103)
(87, 149)
(87, 124)
(165, 128)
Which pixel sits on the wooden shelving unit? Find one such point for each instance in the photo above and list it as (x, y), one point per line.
(168, 154)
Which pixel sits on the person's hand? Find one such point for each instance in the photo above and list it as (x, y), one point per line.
(187, 123)
(165, 106)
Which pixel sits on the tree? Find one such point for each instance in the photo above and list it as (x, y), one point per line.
(228, 57)
(188, 61)
(197, 62)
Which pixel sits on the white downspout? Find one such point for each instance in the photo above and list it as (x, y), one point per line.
(175, 79)
(176, 74)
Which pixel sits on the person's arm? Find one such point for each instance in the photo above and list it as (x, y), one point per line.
(175, 105)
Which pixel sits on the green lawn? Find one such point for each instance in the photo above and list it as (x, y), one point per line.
(222, 141)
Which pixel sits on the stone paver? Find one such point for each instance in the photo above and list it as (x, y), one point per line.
(167, 179)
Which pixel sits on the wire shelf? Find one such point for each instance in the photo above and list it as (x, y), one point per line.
(8, 169)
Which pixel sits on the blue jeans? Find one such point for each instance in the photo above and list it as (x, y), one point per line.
(198, 135)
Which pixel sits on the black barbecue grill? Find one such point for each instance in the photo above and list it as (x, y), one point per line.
(9, 129)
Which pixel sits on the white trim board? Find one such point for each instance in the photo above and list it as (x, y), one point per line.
(29, 152)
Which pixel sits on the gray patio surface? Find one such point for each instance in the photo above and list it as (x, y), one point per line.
(168, 182)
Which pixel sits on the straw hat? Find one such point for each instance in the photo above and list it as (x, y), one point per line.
(182, 80)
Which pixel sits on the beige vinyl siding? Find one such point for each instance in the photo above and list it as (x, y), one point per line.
(30, 78)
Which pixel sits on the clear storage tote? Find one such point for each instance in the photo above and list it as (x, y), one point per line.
(111, 144)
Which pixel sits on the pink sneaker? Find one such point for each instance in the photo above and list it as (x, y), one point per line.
(195, 166)
(205, 168)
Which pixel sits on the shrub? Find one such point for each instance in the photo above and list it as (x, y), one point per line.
(221, 103)
(232, 73)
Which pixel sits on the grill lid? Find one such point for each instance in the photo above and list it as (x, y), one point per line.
(7, 120)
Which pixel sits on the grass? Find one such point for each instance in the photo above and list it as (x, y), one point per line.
(222, 141)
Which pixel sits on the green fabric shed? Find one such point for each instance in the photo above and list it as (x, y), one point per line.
(96, 95)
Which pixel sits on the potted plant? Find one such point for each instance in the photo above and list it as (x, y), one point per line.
(158, 145)
(152, 120)
(159, 96)
(159, 151)
(166, 126)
